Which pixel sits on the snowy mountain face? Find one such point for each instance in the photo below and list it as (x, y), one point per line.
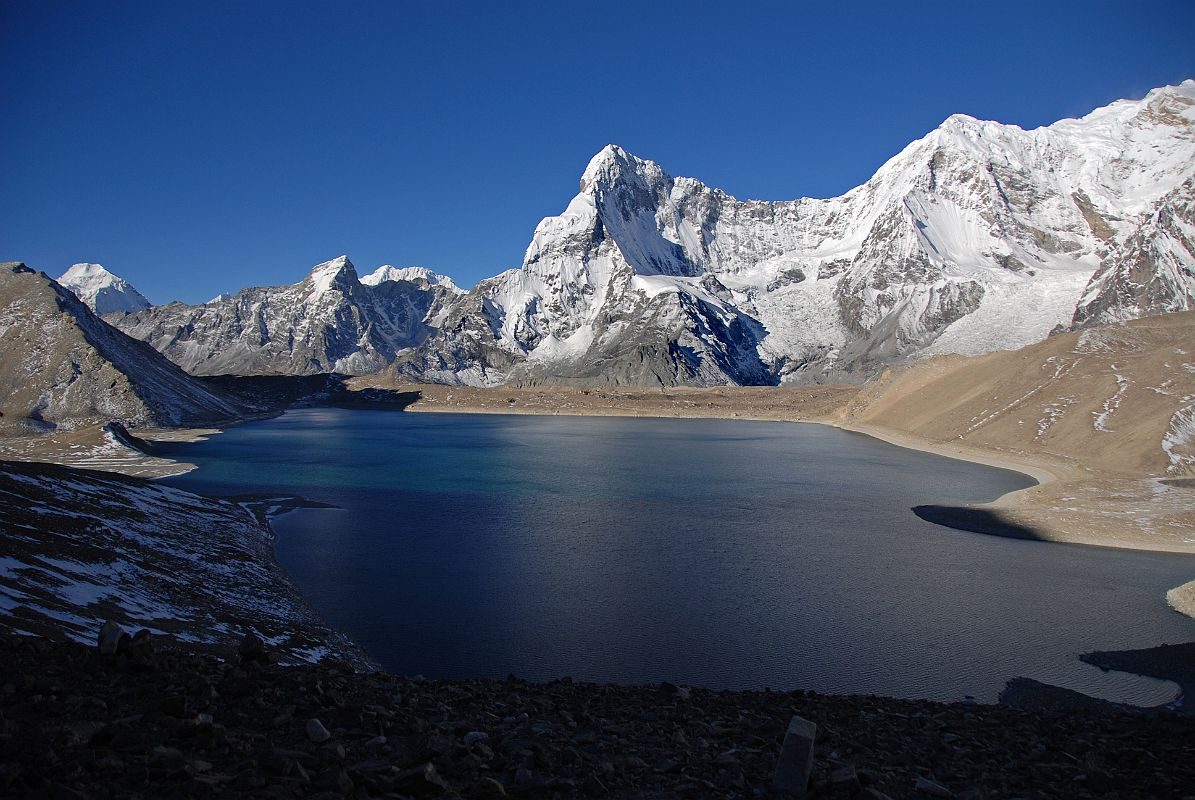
(103, 292)
(978, 237)
(329, 322)
(62, 366)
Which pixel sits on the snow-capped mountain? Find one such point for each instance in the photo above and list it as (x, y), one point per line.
(62, 366)
(103, 292)
(412, 274)
(979, 236)
(329, 322)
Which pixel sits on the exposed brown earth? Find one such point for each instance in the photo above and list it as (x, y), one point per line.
(807, 403)
(1086, 412)
(92, 447)
(160, 721)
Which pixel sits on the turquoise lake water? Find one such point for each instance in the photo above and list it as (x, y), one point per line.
(709, 552)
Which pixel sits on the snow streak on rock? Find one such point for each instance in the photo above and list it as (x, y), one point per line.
(82, 547)
(1179, 440)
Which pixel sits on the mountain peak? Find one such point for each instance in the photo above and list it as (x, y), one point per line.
(1185, 89)
(609, 163)
(335, 274)
(387, 272)
(103, 291)
(112, 375)
(88, 271)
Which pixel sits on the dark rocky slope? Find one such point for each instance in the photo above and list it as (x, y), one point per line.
(80, 547)
(174, 723)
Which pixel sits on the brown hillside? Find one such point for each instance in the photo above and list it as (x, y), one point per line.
(1109, 413)
(1109, 399)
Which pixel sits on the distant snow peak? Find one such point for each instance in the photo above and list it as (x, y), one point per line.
(102, 291)
(334, 274)
(386, 272)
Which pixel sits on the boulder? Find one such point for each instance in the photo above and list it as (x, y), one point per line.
(111, 636)
(252, 648)
(931, 788)
(796, 758)
(316, 731)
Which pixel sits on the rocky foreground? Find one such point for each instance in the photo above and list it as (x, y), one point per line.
(157, 720)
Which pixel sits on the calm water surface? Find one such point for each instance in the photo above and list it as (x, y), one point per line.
(716, 553)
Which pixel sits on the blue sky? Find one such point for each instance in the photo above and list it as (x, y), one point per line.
(199, 147)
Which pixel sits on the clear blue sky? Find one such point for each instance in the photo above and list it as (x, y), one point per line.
(198, 147)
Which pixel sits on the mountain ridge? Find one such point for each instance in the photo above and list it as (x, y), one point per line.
(831, 289)
(328, 322)
(978, 236)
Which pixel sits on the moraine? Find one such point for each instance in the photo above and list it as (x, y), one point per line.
(717, 553)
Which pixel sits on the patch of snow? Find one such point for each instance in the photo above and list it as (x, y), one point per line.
(1179, 440)
(1112, 403)
(1052, 412)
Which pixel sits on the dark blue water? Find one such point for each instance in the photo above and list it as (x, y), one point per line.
(715, 553)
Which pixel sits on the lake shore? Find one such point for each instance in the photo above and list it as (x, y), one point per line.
(757, 404)
(1072, 502)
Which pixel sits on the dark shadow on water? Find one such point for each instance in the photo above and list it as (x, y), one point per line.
(1170, 662)
(1179, 483)
(976, 520)
(1030, 695)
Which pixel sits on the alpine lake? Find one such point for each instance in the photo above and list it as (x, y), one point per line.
(717, 553)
